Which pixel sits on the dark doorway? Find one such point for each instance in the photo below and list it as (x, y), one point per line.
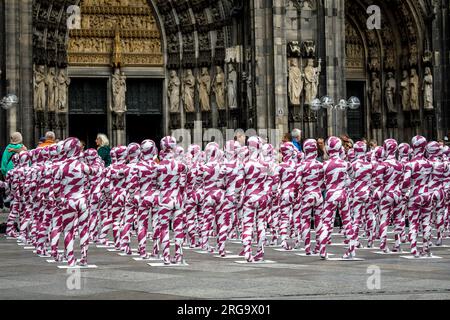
(141, 127)
(86, 127)
(356, 118)
(87, 109)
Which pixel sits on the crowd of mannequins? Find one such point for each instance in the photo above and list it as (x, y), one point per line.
(202, 199)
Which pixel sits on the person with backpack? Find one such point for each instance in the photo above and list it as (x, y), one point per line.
(15, 146)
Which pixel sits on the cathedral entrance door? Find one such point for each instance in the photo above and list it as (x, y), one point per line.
(356, 118)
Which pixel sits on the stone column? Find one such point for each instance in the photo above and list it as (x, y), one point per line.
(3, 134)
(335, 61)
(19, 70)
(279, 110)
(261, 13)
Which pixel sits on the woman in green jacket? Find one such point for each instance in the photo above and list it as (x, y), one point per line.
(103, 148)
(15, 146)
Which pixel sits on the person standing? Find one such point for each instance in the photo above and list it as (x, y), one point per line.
(15, 146)
(50, 139)
(103, 149)
(297, 138)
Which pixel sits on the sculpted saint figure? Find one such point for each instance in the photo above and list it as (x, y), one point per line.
(63, 85)
(174, 92)
(375, 94)
(428, 89)
(390, 91)
(52, 87)
(232, 87)
(295, 83)
(311, 81)
(189, 92)
(39, 88)
(204, 89)
(219, 88)
(414, 90)
(404, 91)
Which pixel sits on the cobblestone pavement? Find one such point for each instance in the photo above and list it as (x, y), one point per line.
(23, 275)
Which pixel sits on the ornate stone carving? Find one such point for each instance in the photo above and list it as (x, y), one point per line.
(118, 34)
(39, 88)
(232, 87)
(173, 92)
(119, 87)
(311, 80)
(414, 84)
(219, 88)
(294, 49)
(428, 89)
(52, 89)
(63, 85)
(204, 90)
(189, 92)
(295, 87)
(405, 92)
(390, 90)
(309, 48)
(375, 94)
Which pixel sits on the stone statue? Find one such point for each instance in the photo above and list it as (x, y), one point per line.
(375, 93)
(63, 85)
(174, 92)
(414, 90)
(295, 88)
(119, 86)
(219, 88)
(404, 91)
(52, 89)
(390, 90)
(311, 80)
(204, 90)
(189, 92)
(117, 49)
(232, 87)
(428, 89)
(39, 88)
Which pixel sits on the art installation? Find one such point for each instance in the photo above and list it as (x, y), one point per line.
(62, 190)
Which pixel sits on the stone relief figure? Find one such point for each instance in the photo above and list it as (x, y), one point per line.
(204, 90)
(428, 89)
(375, 93)
(189, 92)
(39, 88)
(52, 89)
(414, 90)
(232, 87)
(219, 88)
(63, 84)
(173, 92)
(404, 91)
(295, 87)
(119, 87)
(390, 90)
(311, 80)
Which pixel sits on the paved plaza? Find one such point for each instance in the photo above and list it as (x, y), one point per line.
(23, 275)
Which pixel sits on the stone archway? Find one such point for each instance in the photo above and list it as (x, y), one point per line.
(374, 56)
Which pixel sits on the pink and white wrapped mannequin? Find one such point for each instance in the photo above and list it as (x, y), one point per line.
(95, 192)
(272, 184)
(170, 201)
(361, 176)
(377, 187)
(118, 189)
(106, 219)
(72, 181)
(417, 180)
(233, 174)
(213, 188)
(254, 200)
(391, 196)
(23, 182)
(133, 196)
(193, 194)
(147, 177)
(437, 188)
(310, 182)
(336, 184)
(288, 193)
